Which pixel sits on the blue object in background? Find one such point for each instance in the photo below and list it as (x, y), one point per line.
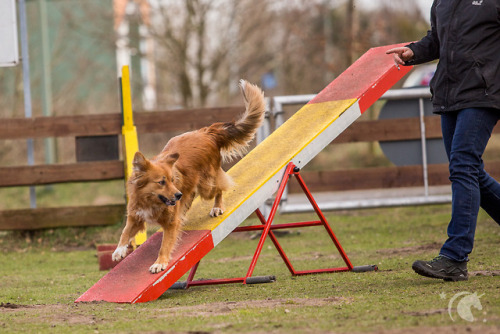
(268, 81)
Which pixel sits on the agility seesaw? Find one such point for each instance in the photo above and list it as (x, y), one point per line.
(257, 176)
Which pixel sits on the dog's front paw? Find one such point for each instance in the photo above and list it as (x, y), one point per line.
(119, 253)
(157, 267)
(216, 212)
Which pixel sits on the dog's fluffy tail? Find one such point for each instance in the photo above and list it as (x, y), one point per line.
(234, 137)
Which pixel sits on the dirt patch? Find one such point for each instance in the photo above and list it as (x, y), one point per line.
(8, 307)
(443, 330)
(70, 319)
(58, 314)
(246, 258)
(13, 306)
(427, 312)
(309, 256)
(215, 309)
(485, 273)
(53, 314)
(434, 246)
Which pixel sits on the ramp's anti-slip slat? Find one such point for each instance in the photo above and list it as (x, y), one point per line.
(257, 177)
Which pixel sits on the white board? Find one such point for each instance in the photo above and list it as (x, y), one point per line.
(9, 47)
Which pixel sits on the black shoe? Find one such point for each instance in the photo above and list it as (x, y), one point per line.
(443, 268)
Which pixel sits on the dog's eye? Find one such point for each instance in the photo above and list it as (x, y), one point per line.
(162, 183)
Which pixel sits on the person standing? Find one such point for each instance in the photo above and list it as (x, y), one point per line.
(465, 37)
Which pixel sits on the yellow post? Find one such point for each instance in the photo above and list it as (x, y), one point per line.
(129, 135)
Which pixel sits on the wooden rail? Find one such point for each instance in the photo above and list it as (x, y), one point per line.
(61, 173)
(40, 218)
(381, 177)
(187, 120)
(110, 124)
(88, 125)
(156, 122)
(95, 125)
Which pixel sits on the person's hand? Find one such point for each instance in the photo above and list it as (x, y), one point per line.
(401, 54)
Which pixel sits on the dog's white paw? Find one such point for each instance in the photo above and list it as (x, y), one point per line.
(157, 267)
(119, 253)
(216, 212)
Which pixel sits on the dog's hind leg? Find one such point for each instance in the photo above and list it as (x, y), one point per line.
(218, 208)
(222, 183)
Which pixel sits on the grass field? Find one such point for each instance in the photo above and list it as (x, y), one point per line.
(44, 272)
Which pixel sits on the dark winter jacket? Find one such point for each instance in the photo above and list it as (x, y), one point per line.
(465, 37)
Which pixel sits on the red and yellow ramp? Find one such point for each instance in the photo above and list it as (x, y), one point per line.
(257, 176)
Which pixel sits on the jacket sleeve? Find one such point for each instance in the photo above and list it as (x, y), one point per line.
(427, 49)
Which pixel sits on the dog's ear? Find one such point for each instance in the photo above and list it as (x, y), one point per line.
(172, 158)
(140, 163)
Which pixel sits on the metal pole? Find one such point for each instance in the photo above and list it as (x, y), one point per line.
(350, 32)
(279, 118)
(27, 89)
(265, 130)
(328, 32)
(276, 112)
(147, 68)
(50, 144)
(424, 147)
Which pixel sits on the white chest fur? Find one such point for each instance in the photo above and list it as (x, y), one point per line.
(146, 214)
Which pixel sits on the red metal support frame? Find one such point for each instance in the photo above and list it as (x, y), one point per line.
(270, 218)
(267, 228)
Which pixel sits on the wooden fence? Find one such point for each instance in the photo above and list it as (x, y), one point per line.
(86, 126)
(187, 120)
(386, 177)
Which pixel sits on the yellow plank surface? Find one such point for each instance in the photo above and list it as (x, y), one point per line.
(268, 158)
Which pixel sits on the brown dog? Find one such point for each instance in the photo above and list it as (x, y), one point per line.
(162, 189)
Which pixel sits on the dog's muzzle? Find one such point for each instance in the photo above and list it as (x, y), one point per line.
(170, 202)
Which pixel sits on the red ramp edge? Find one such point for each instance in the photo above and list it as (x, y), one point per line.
(367, 79)
(131, 282)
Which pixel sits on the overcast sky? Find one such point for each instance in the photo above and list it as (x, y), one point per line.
(425, 5)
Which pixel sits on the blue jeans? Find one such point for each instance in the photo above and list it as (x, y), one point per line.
(465, 135)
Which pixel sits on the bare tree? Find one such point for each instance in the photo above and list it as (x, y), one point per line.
(205, 44)
(181, 33)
